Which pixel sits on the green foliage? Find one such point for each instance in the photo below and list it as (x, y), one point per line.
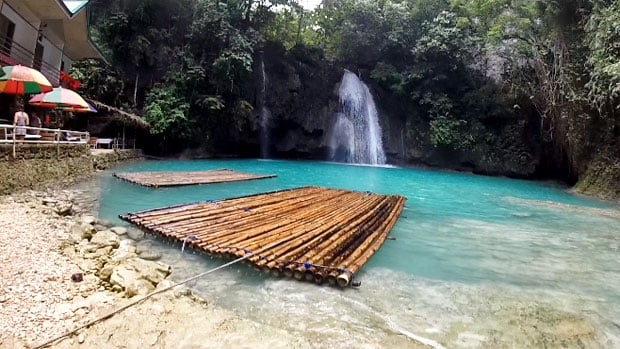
(448, 132)
(388, 76)
(444, 36)
(212, 103)
(98, 81)
(604, 60)
(233, 63)
(166, 112)
(470, 69)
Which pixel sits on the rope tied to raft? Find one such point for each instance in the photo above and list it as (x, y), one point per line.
(190, 238)
(156, 292)
(211, 201)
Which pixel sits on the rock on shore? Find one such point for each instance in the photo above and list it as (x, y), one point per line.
(36, 291)
(62, 268)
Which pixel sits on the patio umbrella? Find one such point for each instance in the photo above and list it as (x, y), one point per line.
(90, 109)
(19, 80)
(59, 98)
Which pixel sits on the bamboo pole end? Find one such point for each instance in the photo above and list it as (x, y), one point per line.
(343, 279)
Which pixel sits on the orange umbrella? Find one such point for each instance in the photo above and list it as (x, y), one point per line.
(18, 79)
(59, 98)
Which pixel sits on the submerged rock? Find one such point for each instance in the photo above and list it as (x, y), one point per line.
(105, 222)
(149, 255)
(120, 231)
(135, 234)
(100, 227)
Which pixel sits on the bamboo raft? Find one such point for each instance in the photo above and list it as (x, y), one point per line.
(312, 233)
(168, 179)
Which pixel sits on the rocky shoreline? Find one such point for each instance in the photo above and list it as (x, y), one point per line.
(58, 268)
(63, 268)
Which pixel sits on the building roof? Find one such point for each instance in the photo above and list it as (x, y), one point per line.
(74, 6)
(64, 23)
(123, 115)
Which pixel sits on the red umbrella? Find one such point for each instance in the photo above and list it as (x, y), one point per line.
(18, 79)
(59, 98)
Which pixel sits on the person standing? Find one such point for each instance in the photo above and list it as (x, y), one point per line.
(20, 120)
(35, 122)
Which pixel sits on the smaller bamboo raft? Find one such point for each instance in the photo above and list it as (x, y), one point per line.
(311, 233)
(168, 179)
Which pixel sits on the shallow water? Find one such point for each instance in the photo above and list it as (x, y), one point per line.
(477, 261)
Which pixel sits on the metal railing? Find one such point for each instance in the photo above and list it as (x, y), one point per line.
(8, 135)
(13, 53)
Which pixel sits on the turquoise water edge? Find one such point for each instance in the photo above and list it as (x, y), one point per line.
(477, 261)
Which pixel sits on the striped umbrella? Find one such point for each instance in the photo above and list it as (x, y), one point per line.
(19, 80)
(90, 109)
(59, 98)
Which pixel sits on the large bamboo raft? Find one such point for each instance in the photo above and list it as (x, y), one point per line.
(312, 233)
(167, 179)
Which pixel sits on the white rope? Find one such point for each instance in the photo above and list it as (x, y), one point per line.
(156, 292)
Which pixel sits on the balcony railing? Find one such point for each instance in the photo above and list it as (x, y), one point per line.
(12, 53)
(41, 135)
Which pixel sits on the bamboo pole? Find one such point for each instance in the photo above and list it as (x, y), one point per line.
(289, 269)
(161, 179)
(286, 232)
(363, 253)
(365, 229)
(317, 255)
(279, 221)
(320, 238)
(322, 231)
(275, 213)
(300, 218)
(222, 235)
(234, 202)
(368, 232)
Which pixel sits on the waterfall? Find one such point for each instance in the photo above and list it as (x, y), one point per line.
(356, 135)
(265, 114)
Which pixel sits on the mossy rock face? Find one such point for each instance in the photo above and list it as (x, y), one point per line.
(602, 179)
(37, 165)
(102, 161)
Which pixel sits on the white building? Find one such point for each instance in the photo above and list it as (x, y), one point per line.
(45, 34)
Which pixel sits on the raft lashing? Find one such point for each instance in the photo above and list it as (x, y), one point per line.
(320, 234)
(168, 179)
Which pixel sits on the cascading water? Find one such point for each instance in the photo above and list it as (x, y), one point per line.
(265, 114)
(356, 135)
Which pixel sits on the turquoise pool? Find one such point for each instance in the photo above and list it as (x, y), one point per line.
(477, 261)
